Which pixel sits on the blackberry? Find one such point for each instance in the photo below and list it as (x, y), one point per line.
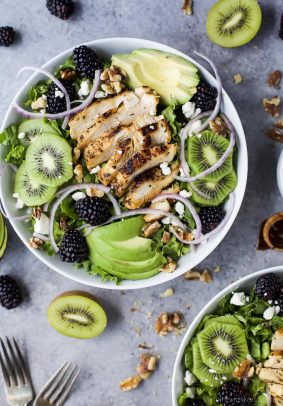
(195, 402)
(10, 293)
(61, 8)
(281, 28)
(73, 247)
(57, 103)
(233, 394)
(268, 286)
(93, 210)
(205, 97)
(7, 36)
(280, 302)
(86, 61)
(210, 218)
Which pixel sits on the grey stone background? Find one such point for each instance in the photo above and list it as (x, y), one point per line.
(112, 357)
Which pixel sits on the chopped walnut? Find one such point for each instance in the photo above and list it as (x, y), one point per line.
(272, 106)
(274, 79)
(279, 124)
(219, 126)
(169, 267)
(145, 346)
(113, 79)
(206, 276)
(36, 213)
(151, 228)
(63, 223)
(203, 276)
(166, 237)
(187, 7)
(160, 205)
(238, 78)
(67, 74)
(130, 383)
(275, 134)
(168, 322)
(168, 293)
(146, 366)
(243, 370)
(92, 192)
(185, 235)
(76, 155)
(38, 104)
(78, 171)
(217, 269)
(35, 242)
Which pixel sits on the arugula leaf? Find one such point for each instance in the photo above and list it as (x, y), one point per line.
(16, 155)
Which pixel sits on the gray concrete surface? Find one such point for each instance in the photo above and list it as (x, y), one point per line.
(111, 357)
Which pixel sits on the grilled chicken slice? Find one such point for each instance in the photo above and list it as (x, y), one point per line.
(134, 111)
(140, 162)
(160, 132)
(278, 401)
(271, 375)
(102, 148)
(147, 186)
(276, 390)
(277, 341)
(275, 360)
(86, 118)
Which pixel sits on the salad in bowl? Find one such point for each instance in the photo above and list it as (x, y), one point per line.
(233, 352)
(121, 164)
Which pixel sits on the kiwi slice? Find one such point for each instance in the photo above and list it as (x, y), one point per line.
(205, 151)
(31, 192)
(222, 346)
(202, 371)
(49, 160)
(77, 314)
(217, 190)
(34, 128)
(232, 23)
(228, 319)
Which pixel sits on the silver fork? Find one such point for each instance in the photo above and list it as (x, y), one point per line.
(57, 389)
(17, 380)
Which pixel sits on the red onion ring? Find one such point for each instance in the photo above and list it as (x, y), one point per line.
(199, 192)
(187, 203)
(4, 165)
(86, 102)
(212, 233)
(16, 218)
(69, 190)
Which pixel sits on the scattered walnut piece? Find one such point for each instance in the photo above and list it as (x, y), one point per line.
(63, 223)
(206, 276)
(35, 242)
(203, 276)
(113, 79)
(76, 155)
(169, 267)
(244, 370)
(38, 104)
(274, 79)
(217, 269)
(168, 292)
(146, 366)
(168, 322)
(238, 78)
(151, 228)
(36, 213)
(78, 171)
(93, 192)
(187, 7)
(219, 126)
(130, 383)
(275, 134)
(279, 124)
(166, 237)
(145, 346)
(272, 106)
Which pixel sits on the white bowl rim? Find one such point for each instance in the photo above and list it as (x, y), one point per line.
(279, 173)
(205, 310)
(164, 277)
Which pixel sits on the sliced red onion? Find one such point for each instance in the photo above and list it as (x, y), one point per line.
(268, 398)
(16, 218)
(41, 236)
(69, 112)
(4, 165)
(187, 203)
(69, 190)
(199, 192)
(205, 237)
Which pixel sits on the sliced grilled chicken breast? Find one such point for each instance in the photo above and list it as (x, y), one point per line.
(275, 360)
(147, 186)
(278, 401)
(102, 148)
(276, 390)
(277, 340)
(133, 111)
(160, 132)
(271, 375)
(86, 118)
(140, 162)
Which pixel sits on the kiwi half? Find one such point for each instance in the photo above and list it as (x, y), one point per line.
(31, 192)
(205, 151)
(222, 346)
(216, 190)
(49, 160)
(77, 314)
(232, 23)
(34, 128)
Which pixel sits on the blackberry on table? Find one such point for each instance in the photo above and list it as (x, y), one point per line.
(195, 402)
(86, 61)
(281, 27)
(10, 292)
(61, 8)
(268, 286)
(210, 218)
(7, 36)
(55, 102)
(73, 247)
(234, 394)
(205, 97)
(93, 210)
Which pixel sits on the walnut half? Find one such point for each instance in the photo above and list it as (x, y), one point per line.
(168, 322)
(130, 383)
(147, 365)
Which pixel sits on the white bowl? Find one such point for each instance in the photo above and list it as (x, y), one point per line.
(105, 48)
(243, 284)
(280, 173)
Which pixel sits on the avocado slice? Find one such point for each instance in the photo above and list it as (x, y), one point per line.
(4, 243)
(119, 231)
(172, 76)
(2, 230)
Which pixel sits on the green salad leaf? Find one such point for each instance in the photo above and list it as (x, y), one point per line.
(14, 152)
(170, 115)
(37, 91)
(16, 155)
(174, 249)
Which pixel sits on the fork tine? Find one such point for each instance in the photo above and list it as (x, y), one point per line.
(18, 370)
(10, 370)
(22, 363)
(58, 382)
(4, 372)
(60, 386)
(68, 387)
(53, 381)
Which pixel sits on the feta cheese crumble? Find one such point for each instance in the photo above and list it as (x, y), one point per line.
(166, 220)
(194, 128)
(190, 379)
(188, 109)
(238, 299)
(59, 93)
(21, 135)
(185, 193)
(180, 209)
(95, 170)
(165, 169)
(41, 225)
(100, 94)
(191, 392)
(270, 312)
(19, 203)
(84, 89)
(78, 196)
